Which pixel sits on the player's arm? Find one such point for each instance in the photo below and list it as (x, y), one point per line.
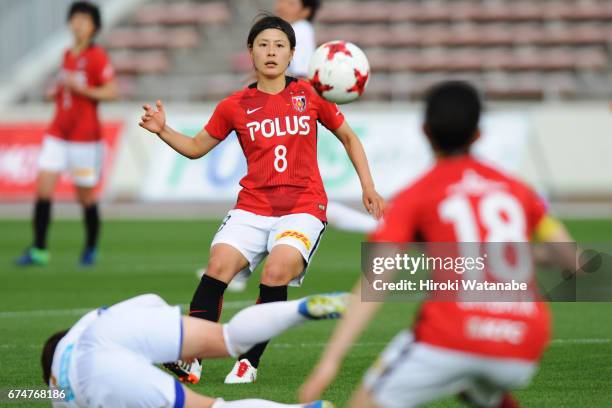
(192, 147)
(346, 333)
(51, 91)
(373, 202)
(106, 92)
(562, 251)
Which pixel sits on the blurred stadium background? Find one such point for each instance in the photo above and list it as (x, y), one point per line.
(545, 67)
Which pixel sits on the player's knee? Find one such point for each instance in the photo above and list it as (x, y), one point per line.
(276, 274)
(86, 199)
(44, 192)
(219, 269)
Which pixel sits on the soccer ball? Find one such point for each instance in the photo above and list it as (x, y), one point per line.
(339, 71)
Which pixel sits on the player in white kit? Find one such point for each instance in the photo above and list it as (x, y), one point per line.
(107, 358)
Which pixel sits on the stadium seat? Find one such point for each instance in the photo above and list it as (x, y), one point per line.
(183, 13)
(151, 38)
(518, 49)
(149, 62)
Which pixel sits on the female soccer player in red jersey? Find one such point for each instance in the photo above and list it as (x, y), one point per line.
(73, 140)
(280, 211)
(480, 350)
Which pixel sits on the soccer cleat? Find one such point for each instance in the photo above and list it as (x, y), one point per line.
(186, 372)
(33, 256)
(324, 306)
(88, 257)
(319, 404)
(242, 373)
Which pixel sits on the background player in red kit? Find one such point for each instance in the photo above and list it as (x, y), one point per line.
(73, 140)
(280, 212)
(459, 200)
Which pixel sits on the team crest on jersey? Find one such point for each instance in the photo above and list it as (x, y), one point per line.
(299, 103)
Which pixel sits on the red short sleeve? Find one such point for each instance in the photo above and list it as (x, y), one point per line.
(329, 115)
(536, 208)
(220, 124)
(399, 221)
(104, 71)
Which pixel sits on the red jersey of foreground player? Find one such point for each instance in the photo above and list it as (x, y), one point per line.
(278, 134)
(464, 200)
(76, 116)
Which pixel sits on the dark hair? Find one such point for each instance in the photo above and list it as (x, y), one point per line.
(86, 7)
(46, 358)
(266, 21)
(313, 5)
(451, 116)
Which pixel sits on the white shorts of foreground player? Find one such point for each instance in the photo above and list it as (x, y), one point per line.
(411, 374)
(254, 236)
(107, 358)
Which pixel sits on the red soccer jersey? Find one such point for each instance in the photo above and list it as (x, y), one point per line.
(464, 200)
(76, 117)
(278, 135)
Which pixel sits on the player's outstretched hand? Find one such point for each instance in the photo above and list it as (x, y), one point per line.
(153, 120)
(319, 379)
(374, 203)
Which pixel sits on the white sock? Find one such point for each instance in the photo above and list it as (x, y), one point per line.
(260, 323)
(346, 218)
(253, 403)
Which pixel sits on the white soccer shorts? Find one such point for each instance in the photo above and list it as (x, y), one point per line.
(83, 160)
(254, 236)
(113, 361)
(411, 374)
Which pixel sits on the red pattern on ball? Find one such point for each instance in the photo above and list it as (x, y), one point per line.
(317, 85)
(360, 82)
(335, 48)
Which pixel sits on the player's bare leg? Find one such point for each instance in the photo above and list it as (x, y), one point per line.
(37, 254)
(255, 324)
(284, 264)
(202, 339)
(224, 263)
(86, 196)
(45, 184)
(91, 219)
(362, 399)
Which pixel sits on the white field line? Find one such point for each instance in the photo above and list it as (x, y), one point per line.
(233, 305)
(554, 342)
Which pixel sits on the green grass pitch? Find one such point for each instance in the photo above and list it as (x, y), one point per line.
(162, 256)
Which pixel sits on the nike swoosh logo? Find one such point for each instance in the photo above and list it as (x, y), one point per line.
(249, 111)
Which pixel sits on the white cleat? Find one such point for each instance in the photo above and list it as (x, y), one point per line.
(242, 373)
